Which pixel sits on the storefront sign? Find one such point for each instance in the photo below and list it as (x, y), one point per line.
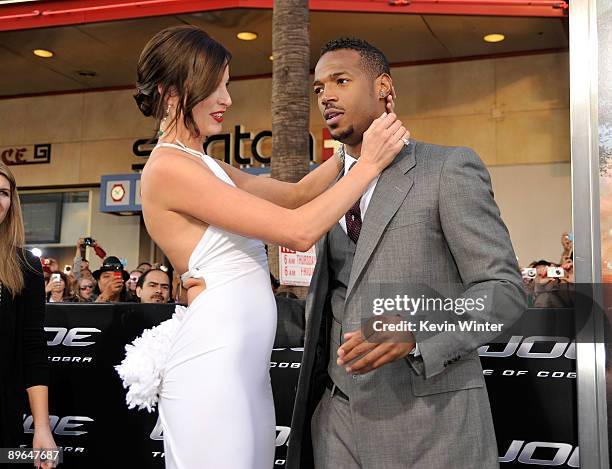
(120, 193)
(26, 154)
(233, 144)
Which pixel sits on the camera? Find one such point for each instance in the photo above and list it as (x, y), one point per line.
(88, 241)
(46, 264)
(529, 272)
(56, 277)
(555, 272)
(67, 269)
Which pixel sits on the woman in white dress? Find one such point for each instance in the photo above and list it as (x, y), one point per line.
(210, 219)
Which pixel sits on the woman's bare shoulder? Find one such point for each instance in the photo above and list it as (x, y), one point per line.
(166, 158)
(170, 164)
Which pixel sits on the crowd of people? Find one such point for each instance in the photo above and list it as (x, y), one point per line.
(549, 284)
(146, 283)
(151, 283)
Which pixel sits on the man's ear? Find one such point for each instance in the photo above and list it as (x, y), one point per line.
(138, 292)
(384, 86)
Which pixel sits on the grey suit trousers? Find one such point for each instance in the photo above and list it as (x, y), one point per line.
(338, 444)
(334, 444)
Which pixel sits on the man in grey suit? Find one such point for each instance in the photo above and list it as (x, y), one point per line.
(416, 399)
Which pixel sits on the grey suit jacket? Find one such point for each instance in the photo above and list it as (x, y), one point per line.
(431, 220)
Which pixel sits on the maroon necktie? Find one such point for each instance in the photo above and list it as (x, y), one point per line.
(353, 219)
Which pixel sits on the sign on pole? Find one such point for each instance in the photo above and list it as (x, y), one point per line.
(296, 267)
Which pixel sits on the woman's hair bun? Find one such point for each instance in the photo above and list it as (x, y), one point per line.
(145, 102)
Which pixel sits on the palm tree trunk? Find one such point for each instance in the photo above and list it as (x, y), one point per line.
(290, 99)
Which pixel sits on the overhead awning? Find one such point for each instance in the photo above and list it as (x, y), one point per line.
(41, 14)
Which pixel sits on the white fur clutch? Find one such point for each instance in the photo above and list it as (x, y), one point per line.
(145, 359)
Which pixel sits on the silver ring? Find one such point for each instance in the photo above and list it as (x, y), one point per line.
(406, 141)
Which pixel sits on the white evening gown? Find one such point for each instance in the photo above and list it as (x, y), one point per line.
(215, 395)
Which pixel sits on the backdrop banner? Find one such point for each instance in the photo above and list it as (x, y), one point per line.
(530, 375)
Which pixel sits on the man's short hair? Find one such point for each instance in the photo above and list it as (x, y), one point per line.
(373, 60)
(143, 277)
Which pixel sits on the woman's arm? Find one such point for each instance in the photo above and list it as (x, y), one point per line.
(197, 192)
(294, 195)
(35, 361)
(36, 367)
(286, 194)
(76, 265)
(38, 396)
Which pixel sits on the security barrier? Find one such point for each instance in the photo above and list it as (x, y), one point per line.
(530, 375)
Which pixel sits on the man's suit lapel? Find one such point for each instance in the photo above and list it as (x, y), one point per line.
(318, 285)
(391, 190)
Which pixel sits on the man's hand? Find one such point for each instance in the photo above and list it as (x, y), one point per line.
(111, 290)
(113, 287)
(376, 350)
(80, 247)
(56, 286)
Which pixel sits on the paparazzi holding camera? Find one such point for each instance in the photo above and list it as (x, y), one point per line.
(111, 279)
(58, 289)
(80, 263)
(551, 286)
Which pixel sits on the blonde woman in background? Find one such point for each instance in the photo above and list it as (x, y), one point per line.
(85, 290)
(23, 353)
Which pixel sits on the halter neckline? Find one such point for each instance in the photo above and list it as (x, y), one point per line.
(181, 144)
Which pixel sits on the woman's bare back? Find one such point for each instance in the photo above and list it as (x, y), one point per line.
(175, 233)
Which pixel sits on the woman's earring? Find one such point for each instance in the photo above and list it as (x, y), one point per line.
(382, 94)
(160, 132)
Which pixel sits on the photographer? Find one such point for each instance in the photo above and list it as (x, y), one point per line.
(80, 263)
(58, 288)
(568, 267)
(551, 289)
(49, 265)
(111, 278)
(132, 283)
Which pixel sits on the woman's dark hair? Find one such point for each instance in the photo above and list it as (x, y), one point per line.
(184, 60)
